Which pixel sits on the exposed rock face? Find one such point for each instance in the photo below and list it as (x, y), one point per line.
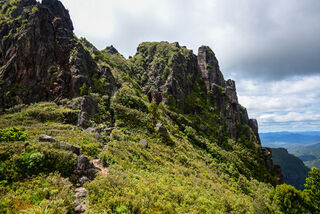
(70, 147)
(88, 107)
(209, 67)
(40, 58)
(85, 170)
(273, 169)
(180, 73)
(253, 123)
(170, 80)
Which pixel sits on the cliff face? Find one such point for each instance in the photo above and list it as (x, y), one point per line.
(40, 58)
(174, 75)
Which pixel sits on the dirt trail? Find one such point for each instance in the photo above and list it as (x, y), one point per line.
(102, 170)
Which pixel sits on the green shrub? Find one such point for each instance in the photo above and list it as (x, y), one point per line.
(44, 112)
(128, 97)
(287, 199)
(312, 187)
(83, 89)
(91, 149)
(52, 69)
(12, 134)
(42, 194)
(32, 160)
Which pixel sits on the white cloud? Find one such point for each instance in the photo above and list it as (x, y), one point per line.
(286, 102)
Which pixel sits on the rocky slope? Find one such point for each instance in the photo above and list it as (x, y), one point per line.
(165, 124)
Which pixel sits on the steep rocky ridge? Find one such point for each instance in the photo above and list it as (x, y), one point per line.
(191, 84)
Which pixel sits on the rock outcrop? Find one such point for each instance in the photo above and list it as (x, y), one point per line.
(209, 67)
(273, 169)
(85, 170)
(40, 58)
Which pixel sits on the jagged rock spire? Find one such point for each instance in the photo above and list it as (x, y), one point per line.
(209, 67)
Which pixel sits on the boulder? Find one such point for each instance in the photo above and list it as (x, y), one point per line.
(81, 192)
(162, 131)
(70, 147)
(144, 143)
(89, 106)
(80, 202)
(46, 138)
(91, 130)
(85, 170)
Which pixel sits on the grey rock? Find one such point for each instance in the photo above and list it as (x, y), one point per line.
(156, 97)
(84, 180)
(209, 67)
(162, 131)
(89, 106)
(231, 91)
(45, 50)
(84, 168)
(91, 130)
(81, 192)
(144, 143)
(46, 138)
(70, 147)
(80, 208)
(83, 120)
(253, 123)
(173, 82)
(111, 50)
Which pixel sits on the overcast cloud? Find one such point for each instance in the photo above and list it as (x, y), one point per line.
(271, 48)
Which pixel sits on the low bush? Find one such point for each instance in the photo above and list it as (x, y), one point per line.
(42, 194)
(32, 160)
(12, 134)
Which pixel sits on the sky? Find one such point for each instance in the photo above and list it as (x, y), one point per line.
(271, 48)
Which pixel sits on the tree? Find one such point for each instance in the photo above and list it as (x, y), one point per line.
(312, 187)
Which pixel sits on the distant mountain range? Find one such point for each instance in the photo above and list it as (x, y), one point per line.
(304, 145)
(290, 139)
(310, 155)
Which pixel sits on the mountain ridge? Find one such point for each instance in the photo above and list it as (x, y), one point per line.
(165, 125)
